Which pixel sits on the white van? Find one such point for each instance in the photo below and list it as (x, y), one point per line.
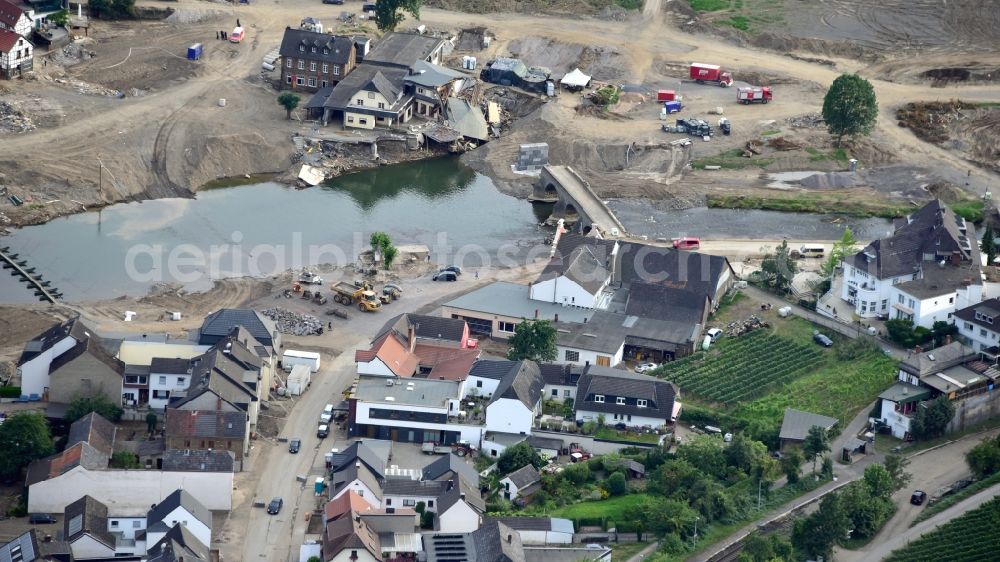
(810, 251)
(327, 414)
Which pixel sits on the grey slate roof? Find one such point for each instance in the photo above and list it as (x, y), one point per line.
(351, 472)
(401, 50)
(937, 360)
(539, 442)
(597, 254)
(428, 75)
(169, 366)
(418, 488)
(319, 98)
(220, 324)
(448, 467)
(494, 369)
(28, 548)
(338, 48)
(524, 476)
(467, 119)
(496, 542)
(221, 373)
(560, 375)
(606, 332)
(504, 298)
(386, 80)
(650, 300)
(356, 452)
(523, 382)
(905, 393)
(177, 545)
(95, 430)
(989, 307)
(451, 496)
(44, 341)
(88, 516)
(179, 498)
(80, 454)
(425, 327)
(796, 424)
(933, 230)
(182, 460)
(659, 394)
(696, 272)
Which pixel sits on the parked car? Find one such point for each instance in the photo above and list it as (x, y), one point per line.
(645, 367)
(327, 414)
(445, 276)
(453, 268)
(294, 445)
(275, 506)
(322, 431)
(822, 340)
(918, 497)
(337, 2)
(714, 333)
(687, 243)
(41, 519)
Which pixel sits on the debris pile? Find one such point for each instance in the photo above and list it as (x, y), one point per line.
(72, 54)
(749, 324)
(88, 88)
(929, 120)
(752, 147)
(783, 144)
(805, 121)
(293, 323)
(12, 120)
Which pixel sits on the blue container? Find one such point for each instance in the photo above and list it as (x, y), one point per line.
(672, 106)
(194, 51)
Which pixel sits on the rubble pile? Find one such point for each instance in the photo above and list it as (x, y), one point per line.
(12, 120)
(293, 323)
(749, 324)
(88, 88)
(781, 143)
(72, 54)
(807, 120)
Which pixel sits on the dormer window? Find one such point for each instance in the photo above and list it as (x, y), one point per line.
(640, 403)
(620, 401)
(314, 49)
(326, 51)
(302, 48)
(599, 398)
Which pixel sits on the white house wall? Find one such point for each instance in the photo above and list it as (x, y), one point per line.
(35, 373)
(130, 492)
(559, 392)
(899, 423)
(345, 556)
(375, 367)
(482, 386)
(980, 337)
(636, 421)
(399, 501)
(509, 416)
(127, 526)
(460, 518)
(588, 357)
(470, 433)
(194, 525)
(562, 290)
(171, 385)
(87, 547)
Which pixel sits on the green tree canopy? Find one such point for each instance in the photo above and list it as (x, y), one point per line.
(791, 465)
(389, 13)
(518, 456)
(896, 465)
(878, 481)
(932, 418)
(382, 244)
(843, 248)
(850, 107)
(289, 101)
(815, 535)
(617, 484)
(534, 340)
(24, 437)
(778, 268)
(989, 246)
(83, 405)
(984, 458)
(866, 512)
(816, 443)
(60, 18)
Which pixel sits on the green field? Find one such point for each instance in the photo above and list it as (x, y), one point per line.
(969, 538)
(622, 508)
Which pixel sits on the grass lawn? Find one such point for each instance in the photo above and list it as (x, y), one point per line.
(616, 435)
(845, 202)
(622, 508)
(623, 551)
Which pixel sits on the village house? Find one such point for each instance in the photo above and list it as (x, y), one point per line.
(13, 18)
(311, 61)
(516, 401)
(521, 484)
(221, 380)
(979, 326)
(179, 508)
(179, 545)
(85, 528)
(417, 345)
(15, 54)
(432, 85)
(31, 547)
(629, 399)
(493, 542)
(540, 530)
(925, 271)
(965, 376)
(796, 424)
(451, 467)
(257, 333)
(208, 429)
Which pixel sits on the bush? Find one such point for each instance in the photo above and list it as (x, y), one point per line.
(10, 391)
(607, 96)
(427, 520)
(112, 9)
(83, 405)
(577, 473)
(125, 459)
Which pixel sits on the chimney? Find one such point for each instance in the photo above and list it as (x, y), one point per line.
(411, 335)
(48, 538)
(451, 484)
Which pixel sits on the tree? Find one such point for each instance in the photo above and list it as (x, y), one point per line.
(817, 442)
(111, 9)
(60, 18)
(125, 459)
(878, 481)
(791, 465)
(388, 13)
(941, 330)
(778, 268)
(984, 458)
(617, 485)
(518, 456)
(382, 244)
(760, 548)
(850, 107)
(668, 516)
(534, 340)
(989, 246)
(289, 101)
(896, 465)
(841, 249)
(24, 437)
(98, 403)
(314, 559)
(151, 420)
(577, 473)
(427, 520)
(815, 535)
(866, 512)
(932, 418)
(826, 467)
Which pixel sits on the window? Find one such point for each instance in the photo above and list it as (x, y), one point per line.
(336, 70)
(508, 327)
(312, 67)
(572, 355)
(326, 68)
(314, 49)
(599, 398)
(912, 304)
(982, 332)
(885, 303)
(288, 79)
(312, 82)
(350, 119)
(114, 523)
(354, 555)
(951, 300)
(968, 326)
(299, 80)
(163, 379)
(187, 443)
(901, 299)
(555, 392)
(181, 381)
(136, 524)
(302, 65)
(430, 503)
(326, 52)
(323, 83)
(388, 501)
(302, 48)
(620, 400)
(566, 393)
(381, 105)
(359, 101)
(479, 384)
(640, 403)
(409, 503)
(288, 63)
(362, 121)
(493, 452)
(371, 95)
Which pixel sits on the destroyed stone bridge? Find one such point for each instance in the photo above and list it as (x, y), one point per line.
(575, 202)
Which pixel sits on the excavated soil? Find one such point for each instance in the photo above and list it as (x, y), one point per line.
(971, 130)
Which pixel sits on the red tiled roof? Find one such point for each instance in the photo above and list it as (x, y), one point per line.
(8, 39)
(345, 504)
(396, 357)
(450, 363)
(9, 13)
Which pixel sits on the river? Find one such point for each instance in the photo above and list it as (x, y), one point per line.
(267, 228)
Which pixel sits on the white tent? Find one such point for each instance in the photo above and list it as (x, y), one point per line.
(575, 79)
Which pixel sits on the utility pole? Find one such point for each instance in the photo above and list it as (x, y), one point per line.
(760, 484)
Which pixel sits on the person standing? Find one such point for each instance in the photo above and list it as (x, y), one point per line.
(216, 34)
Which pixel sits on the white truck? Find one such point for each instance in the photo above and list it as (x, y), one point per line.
(291, 357)
(299, 380)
